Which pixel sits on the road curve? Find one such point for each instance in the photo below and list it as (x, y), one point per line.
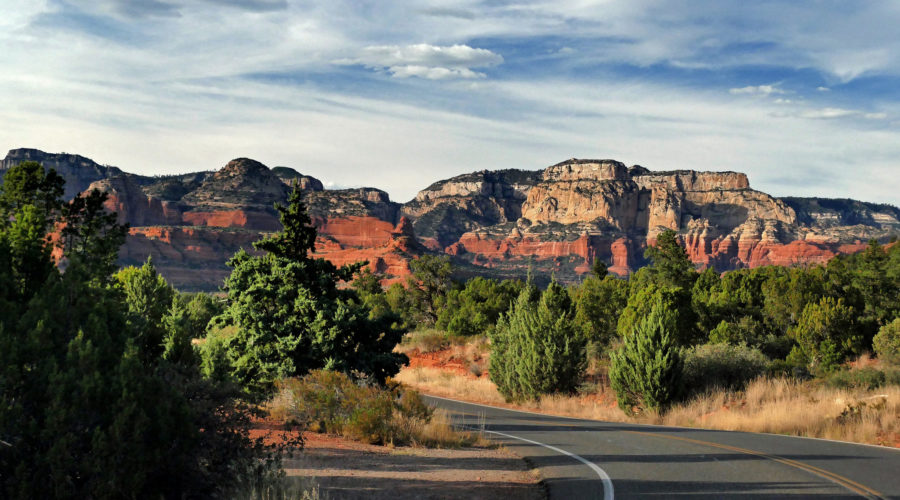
(590, 459)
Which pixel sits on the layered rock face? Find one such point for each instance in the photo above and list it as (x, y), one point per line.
(78, 171)
(581, 210)
(447, 209)
(557, 221)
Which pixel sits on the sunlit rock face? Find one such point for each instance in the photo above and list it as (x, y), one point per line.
(555, 221)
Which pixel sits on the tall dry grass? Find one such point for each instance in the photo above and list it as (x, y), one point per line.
(779, 406)
(783, 406)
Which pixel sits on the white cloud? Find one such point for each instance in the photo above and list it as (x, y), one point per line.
(427, 61)
(764, 90)
(433, 73)
(828, 113)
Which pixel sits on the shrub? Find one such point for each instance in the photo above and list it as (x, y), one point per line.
(887, 342)
(646, 370)
(863, 378)
(721, 365)
(537, 349)
(328, 401)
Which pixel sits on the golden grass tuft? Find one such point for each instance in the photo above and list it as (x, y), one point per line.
(778, 406)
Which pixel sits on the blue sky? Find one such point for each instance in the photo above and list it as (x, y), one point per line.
(801, 95)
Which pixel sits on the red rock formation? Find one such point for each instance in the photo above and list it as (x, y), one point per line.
(249, 219)
(133, 206)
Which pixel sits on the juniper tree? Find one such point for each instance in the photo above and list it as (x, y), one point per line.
(536, 347)
(646, 370)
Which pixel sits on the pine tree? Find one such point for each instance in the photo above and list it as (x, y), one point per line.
(646, 370)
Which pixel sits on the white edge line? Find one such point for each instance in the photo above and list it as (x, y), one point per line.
(876, 446)
(604, 477)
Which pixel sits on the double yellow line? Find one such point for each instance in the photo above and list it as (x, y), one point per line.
(850, 484)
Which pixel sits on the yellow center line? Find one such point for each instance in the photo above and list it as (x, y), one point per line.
(848, 483)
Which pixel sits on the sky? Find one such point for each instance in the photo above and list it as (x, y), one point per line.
(803, 96)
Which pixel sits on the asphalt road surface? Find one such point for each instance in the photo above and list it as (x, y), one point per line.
(589, 459)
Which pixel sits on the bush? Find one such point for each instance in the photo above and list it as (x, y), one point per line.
(721, 365)
(328, 401)
(863, 378)
(646, 370)
(887, 342)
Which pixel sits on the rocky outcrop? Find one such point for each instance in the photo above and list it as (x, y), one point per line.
(242, 183)
(78, 171)
(290, 176)
(134, 206)
(557, 221)
(582, 210)
(444, 211)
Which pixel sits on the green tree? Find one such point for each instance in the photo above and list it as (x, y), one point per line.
(83, 412)
(598, 304)
(148, 298)
(677, 301)
(887, 342)
(826, 334)
(428, 286)
(536, 348)
(291, 316)
(476, 308)
(646, 370)
(670, 265)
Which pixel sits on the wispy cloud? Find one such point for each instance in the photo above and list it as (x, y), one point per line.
(168, 85)
(426, 61)
(764, 90)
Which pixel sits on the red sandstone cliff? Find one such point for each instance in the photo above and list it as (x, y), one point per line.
(558, 220)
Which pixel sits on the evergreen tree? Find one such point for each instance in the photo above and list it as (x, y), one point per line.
(826, 334)
(428, 287)
(646, 370)
(291, 316)
(677, 303)
(536, 348)
(598, 304)
(670, 265)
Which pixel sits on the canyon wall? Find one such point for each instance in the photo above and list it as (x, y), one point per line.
(500, 223)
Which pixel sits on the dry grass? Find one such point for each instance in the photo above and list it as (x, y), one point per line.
(779, 406)
(440, 382)
(783, 406)
(438, 432)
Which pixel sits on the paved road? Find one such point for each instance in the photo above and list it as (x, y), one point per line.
(589, 459)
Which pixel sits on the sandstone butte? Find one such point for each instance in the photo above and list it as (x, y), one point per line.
(557, 221)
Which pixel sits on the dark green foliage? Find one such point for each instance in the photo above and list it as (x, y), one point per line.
(863, 378)
(646, 370)
(536, 347)
(670, 265)
(148, 298)
(887, 342)
(677, 303)
(475, 309)
(201, 308)
(428, 286)
(721, 366)
(291, 317)
(599, 269)
(826, 334)
(88, 407)
(598, 304)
